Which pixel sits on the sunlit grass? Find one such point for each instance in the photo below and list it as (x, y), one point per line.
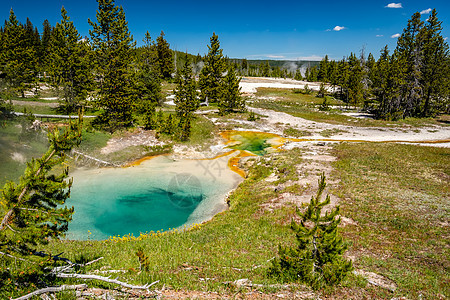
(399, 196)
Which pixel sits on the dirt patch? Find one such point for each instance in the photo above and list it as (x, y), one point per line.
(138, 137)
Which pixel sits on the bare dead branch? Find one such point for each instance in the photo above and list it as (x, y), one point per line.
(53, 290)
(15, 257)
(106, 279)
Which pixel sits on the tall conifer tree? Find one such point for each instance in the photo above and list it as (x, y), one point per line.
(409, 52)
(435, 77)
(148, 81)
(165, 56)
(18, 56)
(113, 46)
(211, 76)
(231, 99)
(186, 99)
(44, 50)
(355, 83)
(70, 66)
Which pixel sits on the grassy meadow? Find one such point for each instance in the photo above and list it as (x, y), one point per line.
(397, 196)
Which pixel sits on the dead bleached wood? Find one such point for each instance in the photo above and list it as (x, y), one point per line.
(106, 279)
(71, 264)
(53, 290)
(99, 161)
(15, 257)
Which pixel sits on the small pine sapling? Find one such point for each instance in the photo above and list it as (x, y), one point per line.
(322, 91)
(317, 259)
(307, 90)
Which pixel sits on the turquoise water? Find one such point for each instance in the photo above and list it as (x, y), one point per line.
(157, 195)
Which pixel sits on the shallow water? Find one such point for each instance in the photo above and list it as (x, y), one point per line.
(156, 195)
(258, 143)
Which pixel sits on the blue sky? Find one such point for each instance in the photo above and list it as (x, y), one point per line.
(252, 29)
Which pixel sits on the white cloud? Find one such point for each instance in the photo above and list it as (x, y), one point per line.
(275, 56)
(425, 11)
(446, 38)
(338, 28)
(394, 5)
(397, 35)
(379, 35)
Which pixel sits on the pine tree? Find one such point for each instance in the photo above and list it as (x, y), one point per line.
(322, 91)
(388, 82)
(265, 69)
(343, 79)
(169, 125)
(231, 99)
(184, 128)
(44, 50)
(312, 74)
(33, 207)
(409, 53)
(355, 83)
(165, 56)
(113, 46)
(317, 259)
(324, 66)
(186, 95)
(370, 67)
(148, 81)
(70, 66)
(435, 68)
(18, 56)
(211, 76)
(298, 74)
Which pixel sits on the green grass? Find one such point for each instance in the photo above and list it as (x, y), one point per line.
(35, 109)
(296, 132)
(225, 249)
(399, 196)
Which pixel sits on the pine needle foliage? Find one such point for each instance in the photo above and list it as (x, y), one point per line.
(317, 259)
(33, 211)
(165, 56)
(17, 57)
(113, 47)
(70, 64)
(186, 95)
(230, 98)
(211, 76)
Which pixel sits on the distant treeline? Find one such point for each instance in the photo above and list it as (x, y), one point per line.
(254, 67)
(413, 81)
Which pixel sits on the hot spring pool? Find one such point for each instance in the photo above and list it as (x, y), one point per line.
(156, 195)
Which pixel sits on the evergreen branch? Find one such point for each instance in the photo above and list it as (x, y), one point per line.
(7, 218)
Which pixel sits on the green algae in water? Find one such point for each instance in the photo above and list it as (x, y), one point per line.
(259, 143)
(156, 195)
